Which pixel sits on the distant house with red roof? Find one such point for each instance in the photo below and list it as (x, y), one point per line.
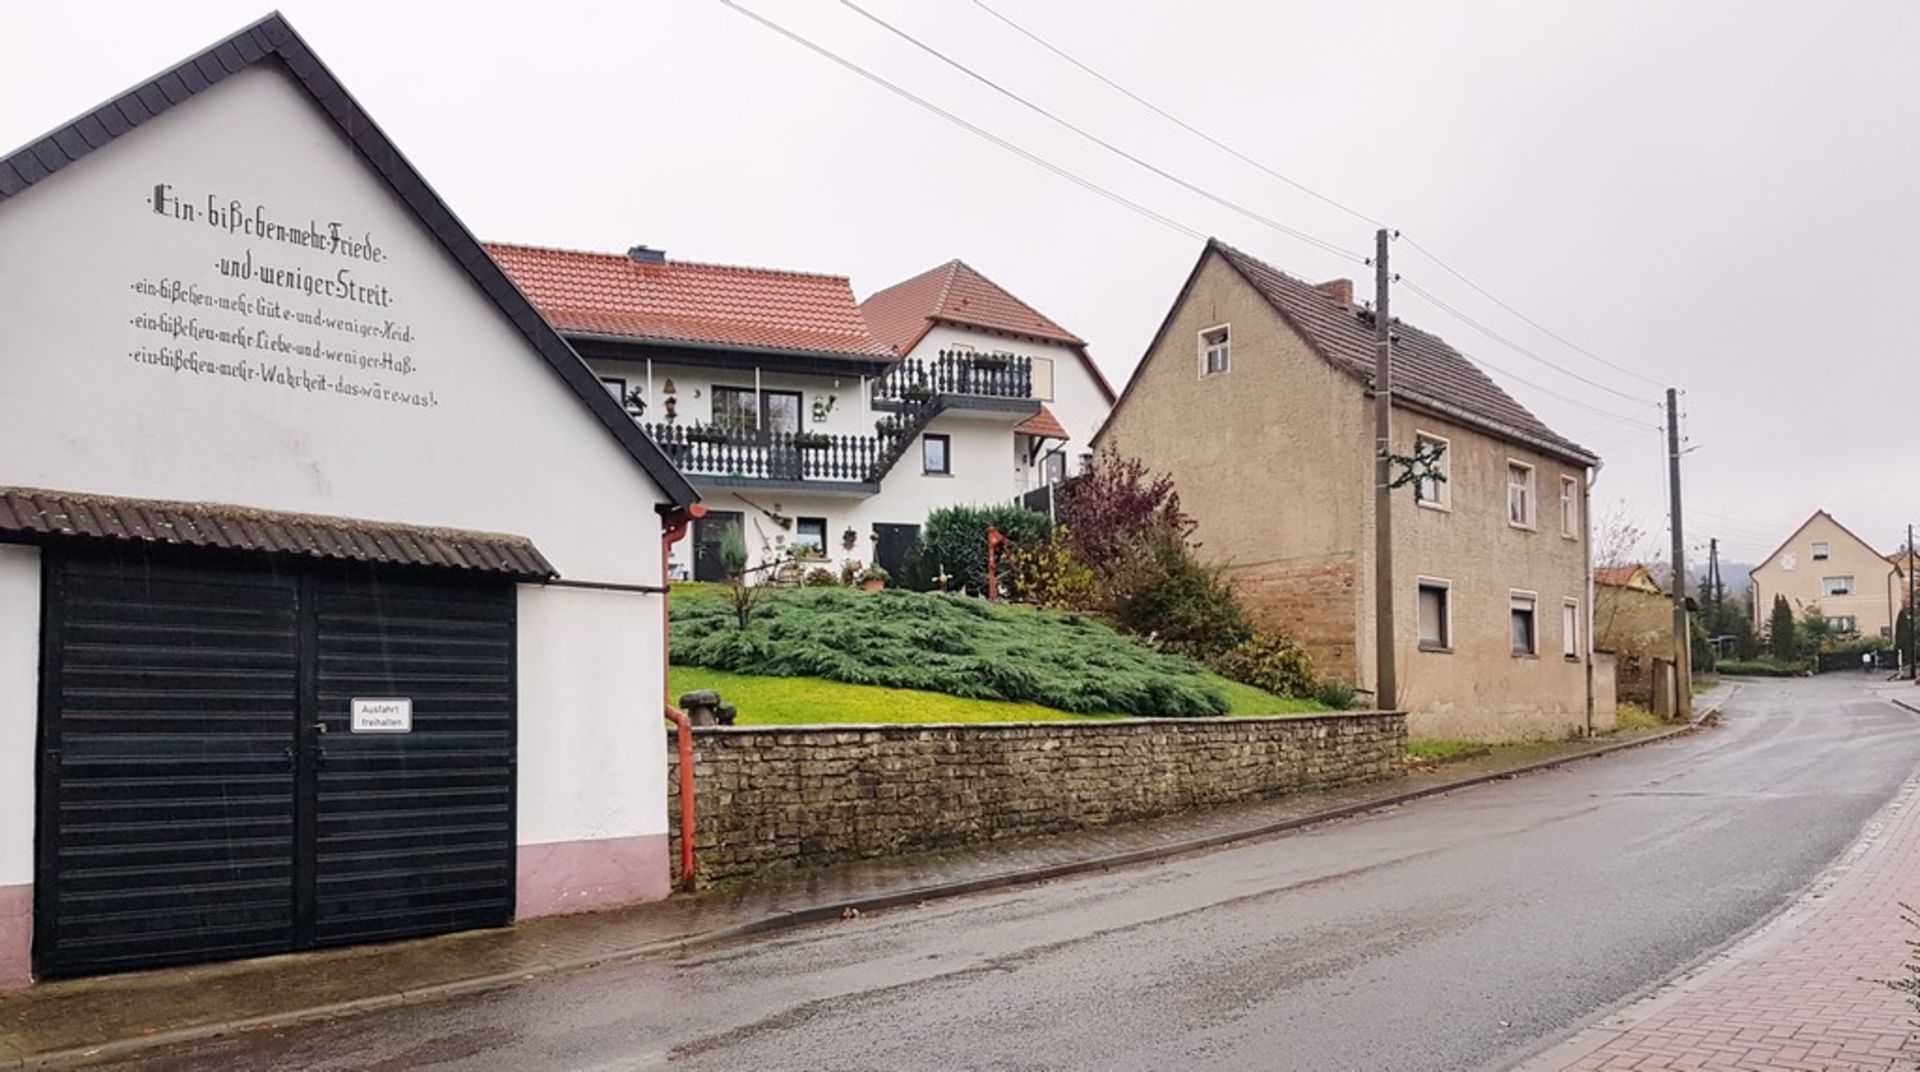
(811, 422)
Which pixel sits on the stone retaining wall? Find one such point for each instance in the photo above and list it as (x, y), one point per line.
(772, 797)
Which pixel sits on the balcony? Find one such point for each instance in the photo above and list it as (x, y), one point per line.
(959, 380)
(801, 460)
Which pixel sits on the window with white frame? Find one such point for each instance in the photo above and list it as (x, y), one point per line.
(1043, 378)
(1844, 624)
(1436, 615)
(1570, 628)
(1524, 617)
(1433, 486)
(810, 537)
(1837, 586)
(936, 454)
(1569, 508)
(1520, 500)
(1821, 550)
(1216, 351)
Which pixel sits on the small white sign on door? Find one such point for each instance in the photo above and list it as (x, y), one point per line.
(387, 715)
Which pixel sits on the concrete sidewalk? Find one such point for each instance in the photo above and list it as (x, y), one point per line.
(1806, 990)
(65, 1023)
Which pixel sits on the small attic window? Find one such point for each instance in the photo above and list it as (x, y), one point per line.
(1216, 351)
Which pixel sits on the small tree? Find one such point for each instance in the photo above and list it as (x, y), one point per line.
(742, 595)
(1817, 632)
(1116, 507)
(1781, 631)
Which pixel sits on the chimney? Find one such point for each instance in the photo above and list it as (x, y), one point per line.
(1340, 290)
(649, 255)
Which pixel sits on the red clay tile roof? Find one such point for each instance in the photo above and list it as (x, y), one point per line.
(680, 301)
(1042, 424)
(954, 293)
(1632, 576)
(1427, 371)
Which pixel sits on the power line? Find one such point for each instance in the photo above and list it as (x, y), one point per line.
(1542, 328)
(1477, 326)
(1304, 188)
(978, 131)
(1519, 349)
(1192, 187)
(1177, 121)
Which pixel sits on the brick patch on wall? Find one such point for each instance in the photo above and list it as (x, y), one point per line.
(780, 797)
(1313, 602)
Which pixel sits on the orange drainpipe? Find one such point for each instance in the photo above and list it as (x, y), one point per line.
(676, 523)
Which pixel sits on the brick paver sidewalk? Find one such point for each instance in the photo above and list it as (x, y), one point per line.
(1804, 992)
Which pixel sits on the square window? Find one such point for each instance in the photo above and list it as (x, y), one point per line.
(1569, 508)
(1216, 351)
(736, 409)
(1837, 586)
(1433, 486)
(1821, 549)
(616, 386)
(1520, 508)
(1570, 629)
(935, 454)
(1054, 467)
(1526, 627)
(1043, 378)
(810, 537)
(1436, 616)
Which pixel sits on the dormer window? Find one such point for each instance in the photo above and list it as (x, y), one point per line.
(1216, 351)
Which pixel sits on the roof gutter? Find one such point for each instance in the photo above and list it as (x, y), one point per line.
(728, 347)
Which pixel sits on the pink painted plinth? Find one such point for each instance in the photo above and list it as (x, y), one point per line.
(16, 934)
(581, 876)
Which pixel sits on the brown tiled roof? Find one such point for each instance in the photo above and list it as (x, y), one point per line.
(1043, 425)
(272, 41)
(1428, 373)
(954, 293)
(32, 515)
(682, 301)
(1630, 576)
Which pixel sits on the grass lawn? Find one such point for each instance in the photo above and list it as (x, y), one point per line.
(1440, 750)
(800, 701)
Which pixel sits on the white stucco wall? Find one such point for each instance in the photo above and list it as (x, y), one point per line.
(840, 397)
(1077, 400)
(981, 453)
(19, 705)
(96, 399)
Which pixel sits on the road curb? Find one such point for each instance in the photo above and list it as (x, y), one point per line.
(801, 917)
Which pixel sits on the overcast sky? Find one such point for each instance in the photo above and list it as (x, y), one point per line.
(1720, 196)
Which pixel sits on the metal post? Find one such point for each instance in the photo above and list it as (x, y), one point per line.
(1682, 636)
(1913, 625)
(1386, 680)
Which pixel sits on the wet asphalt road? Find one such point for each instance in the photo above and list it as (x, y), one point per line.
(1461, 932)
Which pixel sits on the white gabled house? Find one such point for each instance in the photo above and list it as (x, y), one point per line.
(305, 514)
(813, 424)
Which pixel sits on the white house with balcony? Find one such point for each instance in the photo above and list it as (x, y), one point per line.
(805, 430)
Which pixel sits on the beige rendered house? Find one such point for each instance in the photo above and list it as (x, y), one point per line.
(1825, 567)
(1255, 396)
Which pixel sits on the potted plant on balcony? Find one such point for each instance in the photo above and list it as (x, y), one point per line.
(917, 392)
(888, 426)
(706, 433)
(993, 362)
(872, 579)
(812, 440)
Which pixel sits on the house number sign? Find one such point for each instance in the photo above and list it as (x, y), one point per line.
(385, 715)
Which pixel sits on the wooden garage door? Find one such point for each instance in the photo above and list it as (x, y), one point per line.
(202, 792)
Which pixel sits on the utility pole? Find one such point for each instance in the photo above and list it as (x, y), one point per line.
(1386, 680)
(1714, 591)
(1682, 636)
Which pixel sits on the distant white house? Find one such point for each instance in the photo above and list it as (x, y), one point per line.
(814, 424)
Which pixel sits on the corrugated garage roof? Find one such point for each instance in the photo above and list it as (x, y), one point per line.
(33, 515)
